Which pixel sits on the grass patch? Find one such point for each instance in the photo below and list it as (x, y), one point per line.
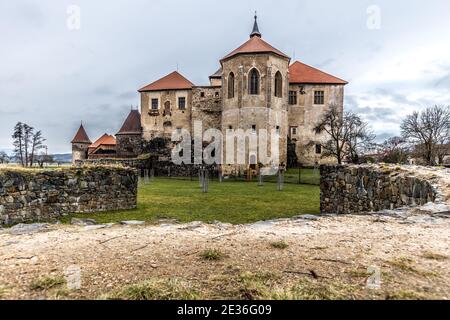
(279, 245)
(235, 202)
(3, 292)
(356, 273)
(405, 264)
(435, 256)
(308, 289)
(405, 295)
(47, 282)
(212, 255)
(171, 289)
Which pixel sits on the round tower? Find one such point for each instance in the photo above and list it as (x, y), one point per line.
(129, 137)
(80, 145)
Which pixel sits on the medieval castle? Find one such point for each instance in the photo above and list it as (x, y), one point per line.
(255, 88)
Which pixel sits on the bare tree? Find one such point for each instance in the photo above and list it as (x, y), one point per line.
(394, 150)
(43, 158)
(4, 158)
(18, 143)
(26, 143)
(428, 130)
(348, 135)
(37, 143)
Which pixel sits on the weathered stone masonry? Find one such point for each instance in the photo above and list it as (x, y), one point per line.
(371, 188)
(30, 195)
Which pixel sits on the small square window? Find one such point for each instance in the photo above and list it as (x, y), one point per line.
(182, 103)
(319, 97)
(202, 94)
(217, 94)
(293, 131)
(155, 104)
(230, 127)
(318, 149)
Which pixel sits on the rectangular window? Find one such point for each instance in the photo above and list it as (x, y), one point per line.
(319, 97)
(293, 131)
(292, 97)
(230, 127)
(155, 104)
(254, 128)
(182, 103)
(318, 149)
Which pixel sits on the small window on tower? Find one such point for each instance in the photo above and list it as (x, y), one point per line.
(292, 98)
(155, 104)
(318, 149)
(182, 103)
(293, 131)
(202, 94)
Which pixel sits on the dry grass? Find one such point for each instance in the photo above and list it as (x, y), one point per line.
(212, 255)
(435, 256)
(279, 245)
(171, 289)
(405, 295)
(47, 282)
(405, 264)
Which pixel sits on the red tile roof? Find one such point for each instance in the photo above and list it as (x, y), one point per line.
(105, 139)
(132, 124)
(302, 73)
(81, 136)
(255, 45)
(173, 81)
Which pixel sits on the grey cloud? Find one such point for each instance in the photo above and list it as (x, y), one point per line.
(54, 78)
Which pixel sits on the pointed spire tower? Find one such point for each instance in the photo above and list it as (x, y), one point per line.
(255, 32)
(80, 145)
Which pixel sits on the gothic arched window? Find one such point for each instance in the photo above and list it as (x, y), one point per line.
(278, 85)
(253, 87)
(231, 85)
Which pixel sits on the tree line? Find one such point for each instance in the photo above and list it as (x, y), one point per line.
(424, 135)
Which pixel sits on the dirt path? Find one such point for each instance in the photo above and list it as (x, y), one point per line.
(325, 258)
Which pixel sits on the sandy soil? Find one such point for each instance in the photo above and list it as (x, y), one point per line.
(411, 250)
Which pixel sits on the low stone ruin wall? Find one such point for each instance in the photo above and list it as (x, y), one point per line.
(29, 195)
(371, 188)
(161, 168)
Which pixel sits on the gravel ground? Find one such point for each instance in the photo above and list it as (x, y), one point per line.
(411, 251)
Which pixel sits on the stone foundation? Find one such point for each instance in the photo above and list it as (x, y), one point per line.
(371, 188)
(36, 195)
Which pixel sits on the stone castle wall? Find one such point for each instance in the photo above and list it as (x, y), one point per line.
(371, 188)
(36, 195)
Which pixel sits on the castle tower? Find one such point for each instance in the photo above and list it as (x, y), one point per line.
(80, 145)
(255, 86)
(129, 137)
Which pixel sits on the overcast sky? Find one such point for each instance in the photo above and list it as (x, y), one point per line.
(53, 75)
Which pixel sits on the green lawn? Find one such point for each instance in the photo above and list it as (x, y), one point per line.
(230, 201)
